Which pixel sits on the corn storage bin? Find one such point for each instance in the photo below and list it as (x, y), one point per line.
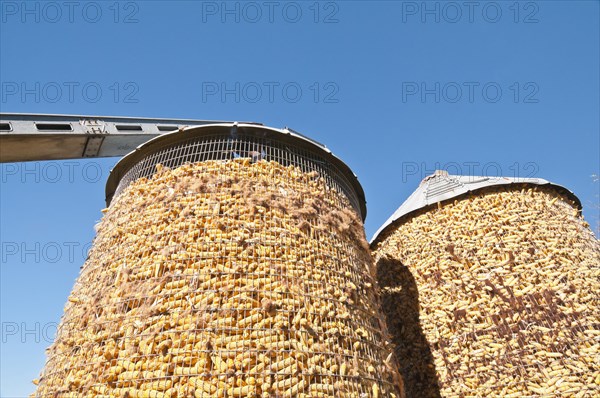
(231, 262)
(491, 289)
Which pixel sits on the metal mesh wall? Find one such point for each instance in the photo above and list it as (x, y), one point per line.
(224, 147)
(494, 294)
(243, 273)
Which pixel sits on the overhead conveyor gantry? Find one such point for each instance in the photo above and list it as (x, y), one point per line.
(28, 137)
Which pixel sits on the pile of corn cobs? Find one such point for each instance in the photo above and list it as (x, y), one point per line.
(225, 279)
(494, 294)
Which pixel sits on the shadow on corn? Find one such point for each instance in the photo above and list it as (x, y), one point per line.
(400, 303)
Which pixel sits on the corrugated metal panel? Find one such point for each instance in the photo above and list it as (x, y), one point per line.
(441, 186)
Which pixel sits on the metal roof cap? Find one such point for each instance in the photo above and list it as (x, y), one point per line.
(441, 186)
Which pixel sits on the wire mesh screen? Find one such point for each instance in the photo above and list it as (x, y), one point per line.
(235, 146)
(225, 269)
(494, 294)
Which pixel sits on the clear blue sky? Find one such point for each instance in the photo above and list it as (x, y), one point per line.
(394, 90)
